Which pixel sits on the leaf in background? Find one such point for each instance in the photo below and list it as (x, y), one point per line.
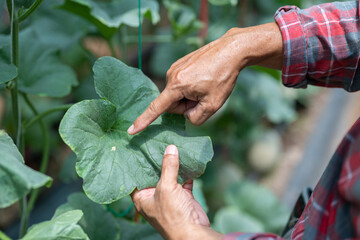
(166, 54)
(266, 96)
(108, 17)
(113, 163)
(199, 195)
(16, 179)
(63, 226)
(258, 202)
(96, 222)
(67, 172)
(231, 219)
(131, 231)
(183, 18)
(224, 2)
(41, 71)
(59, 29)
(7, 72)
(23, 3)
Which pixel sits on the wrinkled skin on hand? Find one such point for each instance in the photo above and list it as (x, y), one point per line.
(200, 83)
(197, 86)
(170, 207)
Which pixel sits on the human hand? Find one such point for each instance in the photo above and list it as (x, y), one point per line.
(200, 83)
(170, 207)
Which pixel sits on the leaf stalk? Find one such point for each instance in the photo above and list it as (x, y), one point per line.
(30, 10)
(45, 157)
(28, 124)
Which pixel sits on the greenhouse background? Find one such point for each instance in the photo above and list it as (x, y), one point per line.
(266, 137)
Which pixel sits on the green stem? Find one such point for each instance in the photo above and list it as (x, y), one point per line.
(3, 236)
(15, 98)
(15, 61)
(30, 10)
(123, 44)
(44, 160)
(45, 157)
(9, 6)
(112, 49)
(23, 219)
(139, 34)
(44, 114)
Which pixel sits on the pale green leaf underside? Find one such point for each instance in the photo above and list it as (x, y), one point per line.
(16, 179)
(63, 226)
(108, 17)
(113, 163)
(97, 223)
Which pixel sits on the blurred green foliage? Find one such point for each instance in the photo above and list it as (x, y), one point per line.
(63, 38)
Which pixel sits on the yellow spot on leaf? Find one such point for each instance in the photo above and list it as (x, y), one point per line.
(113, 149)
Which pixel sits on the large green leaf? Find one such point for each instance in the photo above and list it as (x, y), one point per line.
(63, 226)
(16, 179)
(96, 221)
(110, 16)
(41, 71)
(113, 163)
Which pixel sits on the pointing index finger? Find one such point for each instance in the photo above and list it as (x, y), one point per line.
(155, 109)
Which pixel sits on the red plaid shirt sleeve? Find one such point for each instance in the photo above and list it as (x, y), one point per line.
(321, 47)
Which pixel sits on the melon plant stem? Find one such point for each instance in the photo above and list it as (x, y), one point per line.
(15, 97)
(46, 113)
(15, 61)
(123, 43)
(139, 33)
(44, 160)
(111, 46)
(30, 10)
(204, 17)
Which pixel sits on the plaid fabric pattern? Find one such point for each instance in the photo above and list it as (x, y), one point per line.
(321, 47)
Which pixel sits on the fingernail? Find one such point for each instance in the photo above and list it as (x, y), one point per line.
(171, 149)
(131, 129)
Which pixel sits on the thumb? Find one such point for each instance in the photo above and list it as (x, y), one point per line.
(170, 166)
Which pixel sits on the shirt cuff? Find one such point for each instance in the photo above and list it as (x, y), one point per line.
(295, 66)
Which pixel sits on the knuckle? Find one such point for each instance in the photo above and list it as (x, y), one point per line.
(231, 31)
(211, 108)
(169, 73)
(153, 107)
(180, 75)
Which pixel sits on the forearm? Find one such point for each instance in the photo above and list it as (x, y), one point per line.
(259, 45)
